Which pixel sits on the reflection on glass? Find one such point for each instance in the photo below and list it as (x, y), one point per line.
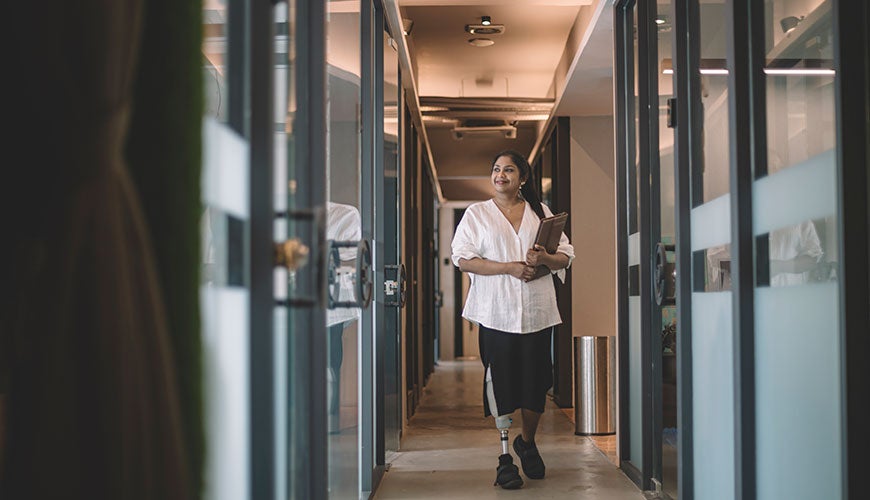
(634, 154)
(797, 323)
(214, 50)
(717, 269)
(343, 56)
(796, 256)
(548, 158)
(714, 103)
(800, 140)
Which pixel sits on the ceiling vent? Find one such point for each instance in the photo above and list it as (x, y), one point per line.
(481, 29)
(505, 131)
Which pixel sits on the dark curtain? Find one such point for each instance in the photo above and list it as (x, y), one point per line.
(92, 405)
(164, 155)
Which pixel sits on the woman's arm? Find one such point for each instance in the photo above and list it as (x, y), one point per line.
(485, 267)
(538, 256)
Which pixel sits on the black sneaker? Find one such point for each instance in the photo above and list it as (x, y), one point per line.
(507, 475)
(533, 465)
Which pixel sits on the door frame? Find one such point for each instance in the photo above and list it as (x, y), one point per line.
(648, 228)
(852, 23)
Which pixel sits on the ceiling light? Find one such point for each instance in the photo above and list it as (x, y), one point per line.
(769, 71)
(485, 20)
(703, 71)
(480, 29)
(480, 42)
(660, 20)
(800, 71)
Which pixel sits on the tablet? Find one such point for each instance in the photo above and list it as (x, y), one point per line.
(550, 231)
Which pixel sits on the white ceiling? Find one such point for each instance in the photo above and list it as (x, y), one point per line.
(552, 54)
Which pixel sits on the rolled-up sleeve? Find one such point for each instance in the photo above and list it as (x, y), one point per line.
(568, 249)
(465, 243)
(564, 247)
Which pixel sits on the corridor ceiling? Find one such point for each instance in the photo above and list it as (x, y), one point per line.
(553, 58)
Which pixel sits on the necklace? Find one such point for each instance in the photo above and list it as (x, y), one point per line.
(507, 210)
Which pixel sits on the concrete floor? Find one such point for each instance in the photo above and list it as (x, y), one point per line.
(450, 451)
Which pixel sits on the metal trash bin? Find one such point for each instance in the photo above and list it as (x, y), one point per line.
(594, 386)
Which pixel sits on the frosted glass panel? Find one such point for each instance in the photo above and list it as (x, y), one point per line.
(798, 403)
(280, 393)
(711, 224)
(225, 355)
(795, 213)
(224, 168)
(802, 192)
(634, 249)
(713, 395)
(635, 379)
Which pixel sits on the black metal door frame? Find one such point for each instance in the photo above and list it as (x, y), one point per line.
(648, 226)
(852, 59)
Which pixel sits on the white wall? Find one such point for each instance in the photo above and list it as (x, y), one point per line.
(593, 226)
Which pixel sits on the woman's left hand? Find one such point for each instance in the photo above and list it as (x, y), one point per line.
(537, 256)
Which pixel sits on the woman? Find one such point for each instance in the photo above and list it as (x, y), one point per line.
(515, 310)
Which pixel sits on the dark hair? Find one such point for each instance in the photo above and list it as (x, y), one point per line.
(527, 190)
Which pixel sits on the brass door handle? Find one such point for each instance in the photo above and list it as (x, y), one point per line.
(291, 254)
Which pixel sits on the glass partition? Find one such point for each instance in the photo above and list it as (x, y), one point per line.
(224, 287)
(667, 356)
(343, 232)
(797, 303)
(635, 383)
(712, 332)
(392, 340)
(288, 285)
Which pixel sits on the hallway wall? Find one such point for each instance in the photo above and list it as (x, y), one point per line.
(448, 311)
(593, 223)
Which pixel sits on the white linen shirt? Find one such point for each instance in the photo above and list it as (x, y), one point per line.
(502, 302)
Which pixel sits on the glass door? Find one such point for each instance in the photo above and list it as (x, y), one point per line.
(797, 295)
(348, 253)
(712, 343)
(631, 375)
(664, 266)
(225, 284)
(298, 123)
(394, 270)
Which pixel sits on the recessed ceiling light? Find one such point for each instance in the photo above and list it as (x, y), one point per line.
(659, 20)
(480, 42)
(479, 29)
(485, 20)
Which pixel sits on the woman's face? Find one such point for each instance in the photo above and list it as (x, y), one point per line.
(506, 176)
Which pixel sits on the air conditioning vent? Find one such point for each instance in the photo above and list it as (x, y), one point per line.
(506, 131)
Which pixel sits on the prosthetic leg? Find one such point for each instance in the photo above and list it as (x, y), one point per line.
(507, 474)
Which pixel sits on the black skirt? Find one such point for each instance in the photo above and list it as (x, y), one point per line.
(521, 367)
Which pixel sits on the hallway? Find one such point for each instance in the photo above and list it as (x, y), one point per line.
(450, 450)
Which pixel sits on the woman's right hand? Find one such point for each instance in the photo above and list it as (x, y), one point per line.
(520, 270)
